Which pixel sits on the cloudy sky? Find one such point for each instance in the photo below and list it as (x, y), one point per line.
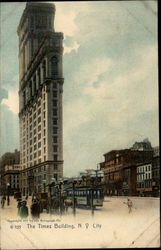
(111, 77)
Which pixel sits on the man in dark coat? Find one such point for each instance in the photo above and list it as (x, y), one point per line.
(35, 209)
(3, 201)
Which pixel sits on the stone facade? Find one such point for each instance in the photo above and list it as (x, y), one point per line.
(40, 97)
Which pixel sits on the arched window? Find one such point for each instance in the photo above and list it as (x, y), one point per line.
(44, 69)
(30, 88)
(39, 77)
(54, 67)
(34, 83)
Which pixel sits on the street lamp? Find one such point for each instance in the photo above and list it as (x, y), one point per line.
(44, 184)
(60, 198)
(92, 177)
(8, 198)
(74, 199)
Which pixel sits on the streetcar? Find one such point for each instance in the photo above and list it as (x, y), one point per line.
(84, 195)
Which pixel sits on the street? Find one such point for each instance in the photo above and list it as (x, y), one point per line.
(111, 226)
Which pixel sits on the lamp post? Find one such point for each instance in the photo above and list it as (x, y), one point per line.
(8, 198)
(53, 182)
(60, 198)
(92, 177)
(44, 185)
(74, 199)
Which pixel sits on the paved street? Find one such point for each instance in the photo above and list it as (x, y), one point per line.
(111, 226)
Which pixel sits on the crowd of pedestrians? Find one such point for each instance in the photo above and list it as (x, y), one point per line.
(23, 210)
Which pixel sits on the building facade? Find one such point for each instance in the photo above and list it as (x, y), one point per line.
(10, 173)
(40, 97)
(144, 179)
(120, 170)
(156, 172)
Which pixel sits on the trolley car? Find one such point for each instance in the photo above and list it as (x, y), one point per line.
(85, 195)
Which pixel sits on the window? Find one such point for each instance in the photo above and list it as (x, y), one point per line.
(55, 130)
(55, 121)
(35, 139)
(34, 155)
(55, 149)
(44, 157)
(55, 139)
(31, 150)
(44, 114)
(55, 103)
(44, 123)
(55, 157)
(44, 105)
(39, 127)
(44, 150)
(54, 93)
(39, 144)
(44, 141)
(44, 69)
(39, 111)
(54, 112)
(39, 77)
(44, 132)
(34, 123)
(39, 136)
(34, 83)
(35, 146)
(39, 153)
(54, 85)
(54, 67)
(55, 167)
(39, 119)
(30, 157)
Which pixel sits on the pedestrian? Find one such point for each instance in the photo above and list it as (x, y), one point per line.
(129, 204)
(3, 201)
(8, 200)
(35, 209)
(24, 210)
(19, 204)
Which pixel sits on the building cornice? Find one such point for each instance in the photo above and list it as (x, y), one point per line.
(41, 164)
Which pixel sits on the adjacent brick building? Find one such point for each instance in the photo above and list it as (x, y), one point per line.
(120, 170)
(156, 172)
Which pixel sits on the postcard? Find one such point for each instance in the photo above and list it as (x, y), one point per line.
(79, 152)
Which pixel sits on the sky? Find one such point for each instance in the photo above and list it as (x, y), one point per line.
(110, 97)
